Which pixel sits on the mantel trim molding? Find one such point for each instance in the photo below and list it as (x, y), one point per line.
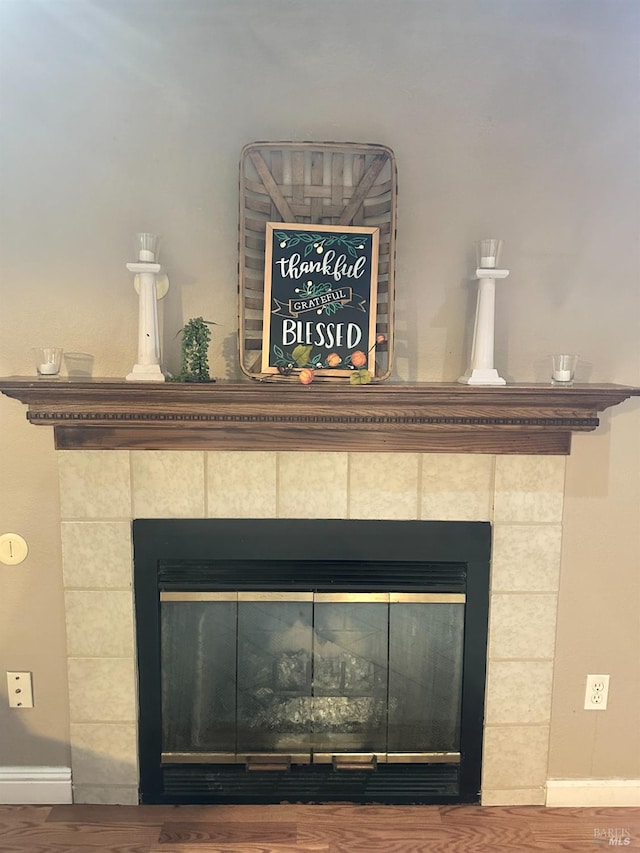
(111, 414)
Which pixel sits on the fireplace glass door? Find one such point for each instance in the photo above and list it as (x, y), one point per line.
(311, 660)
(273, 679)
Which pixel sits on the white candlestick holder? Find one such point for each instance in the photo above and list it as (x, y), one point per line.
(151, 285)
(481, 370)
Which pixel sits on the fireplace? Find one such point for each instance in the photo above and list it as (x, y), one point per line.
(310, 660)
(103, 491)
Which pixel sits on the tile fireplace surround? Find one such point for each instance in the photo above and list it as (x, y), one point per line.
(256, 451)
(102, 491)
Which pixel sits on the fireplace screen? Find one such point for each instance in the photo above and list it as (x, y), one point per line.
(342, 678)
(310, 660)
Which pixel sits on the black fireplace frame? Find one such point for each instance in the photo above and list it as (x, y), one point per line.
(455, 555)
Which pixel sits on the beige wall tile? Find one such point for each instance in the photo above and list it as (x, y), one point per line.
(312, 485)
(97, 554)
(515, 757)
(94, 484)
(529, 489)
(519, 692)
(515, 797)
(383, 485)
(168, 483)
(241, 485)
(106, 795)
(456, 487)
(102, 690)
(522, 626)
(526, 557)
(104, 754)
(99, 623)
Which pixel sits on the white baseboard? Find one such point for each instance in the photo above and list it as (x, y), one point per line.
(35, 785)
(587, 793)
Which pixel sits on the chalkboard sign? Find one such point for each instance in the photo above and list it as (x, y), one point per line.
(320, 298)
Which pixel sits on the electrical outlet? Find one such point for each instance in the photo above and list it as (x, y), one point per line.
(596, 693)
(20, 689)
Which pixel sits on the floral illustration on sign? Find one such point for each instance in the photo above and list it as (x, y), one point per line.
(303, 358)
(317, 242)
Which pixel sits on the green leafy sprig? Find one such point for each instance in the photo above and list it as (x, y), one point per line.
(196, 336)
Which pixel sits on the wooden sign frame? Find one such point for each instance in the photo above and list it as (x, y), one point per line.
(325, 183)
(320, 294)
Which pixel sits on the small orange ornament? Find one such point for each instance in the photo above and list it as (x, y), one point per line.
(358, 358)
(306, 376)
(333, 359)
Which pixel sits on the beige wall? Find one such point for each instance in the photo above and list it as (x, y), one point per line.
(514, 119)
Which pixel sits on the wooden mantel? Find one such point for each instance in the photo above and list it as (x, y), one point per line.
(111, 414)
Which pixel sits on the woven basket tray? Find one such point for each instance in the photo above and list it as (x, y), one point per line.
(323, 183)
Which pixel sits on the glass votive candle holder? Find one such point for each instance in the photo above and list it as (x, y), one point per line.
(48, 360)
(488, 254)
(563, 369)
(147, 247)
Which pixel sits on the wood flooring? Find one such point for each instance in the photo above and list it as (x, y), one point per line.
(313, 829)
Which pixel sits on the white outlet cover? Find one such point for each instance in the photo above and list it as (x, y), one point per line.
(20, 688)
(596, 694)
(13, 549)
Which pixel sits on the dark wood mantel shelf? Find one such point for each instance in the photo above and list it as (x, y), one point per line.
(111, 414)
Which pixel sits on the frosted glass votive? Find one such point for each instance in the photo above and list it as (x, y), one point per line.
(488, 253)
(563, 369)
(48, 360)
